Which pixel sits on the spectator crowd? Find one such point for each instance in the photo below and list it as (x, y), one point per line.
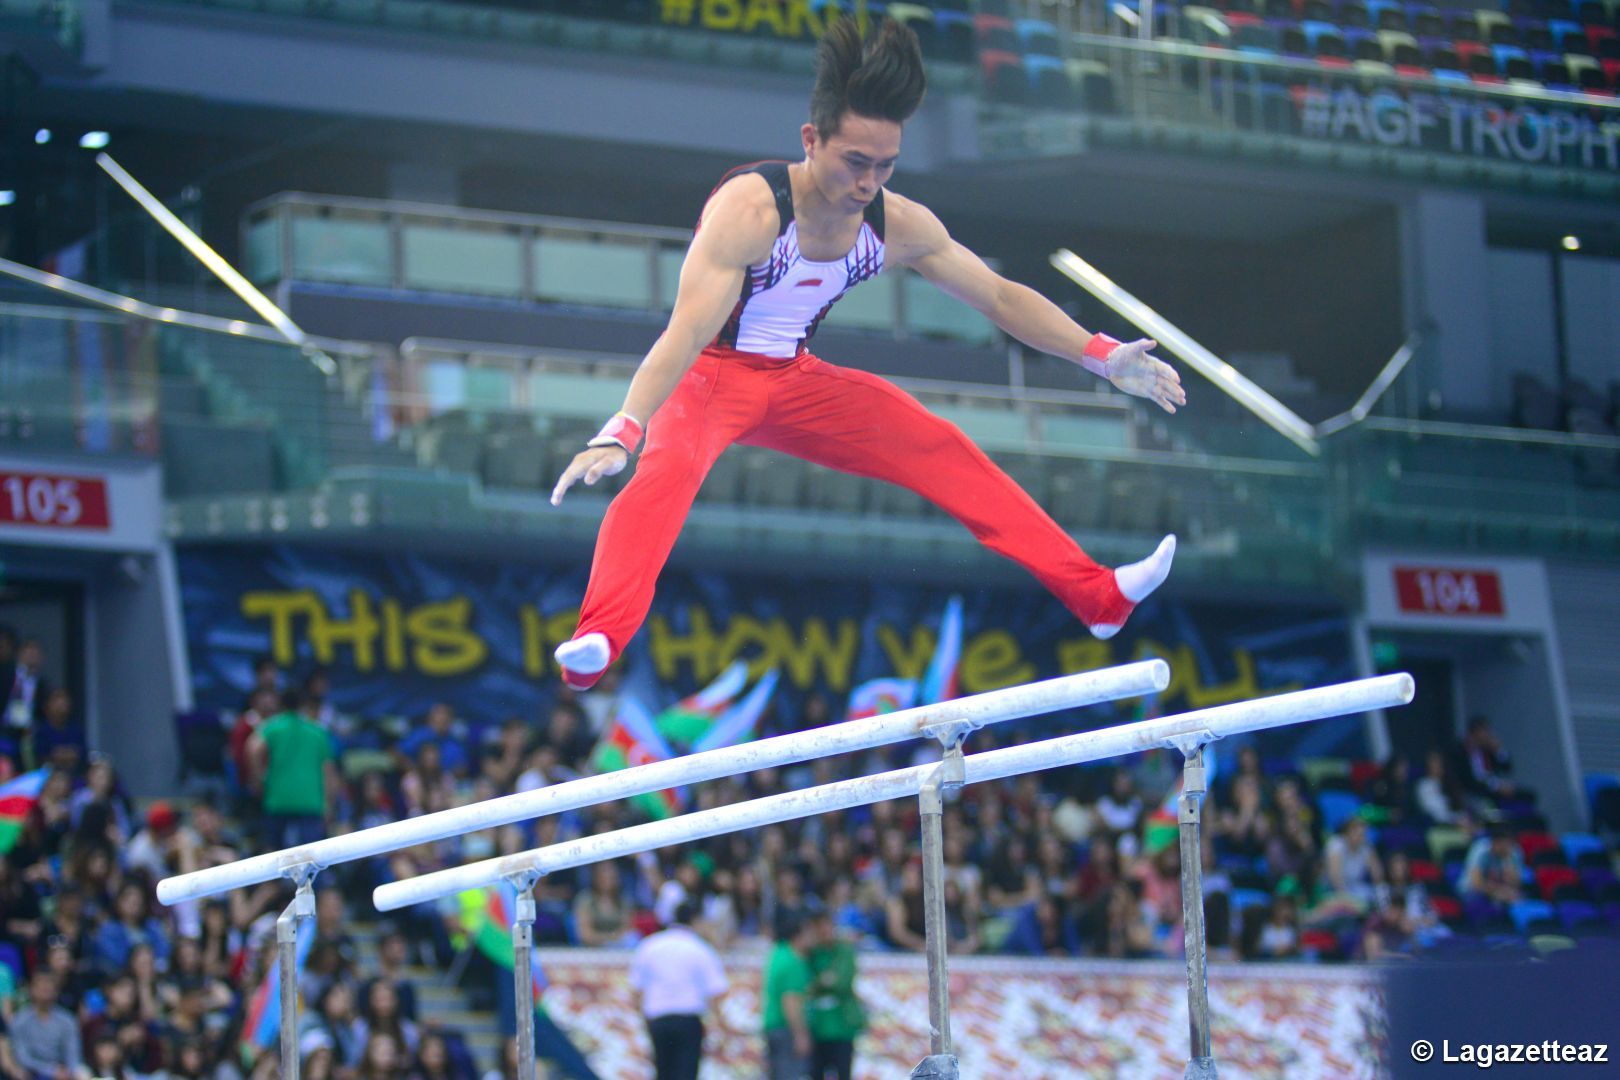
(1302, 860)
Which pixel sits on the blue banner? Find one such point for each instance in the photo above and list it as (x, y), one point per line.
(400, 631)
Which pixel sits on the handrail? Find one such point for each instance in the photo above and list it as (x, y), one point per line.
(1236, 58)
(1201, 726)
(404, 208)
(193, 320)
(1375, 390)
(1175, 340)
(1066, 692)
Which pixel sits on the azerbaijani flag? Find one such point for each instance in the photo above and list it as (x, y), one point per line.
(630, 739)
(689, 720)
(939, 684)
(263, 1024)
(1162, 826)
(878, 696)
(738, 723)
(487, 916)
(17, 799)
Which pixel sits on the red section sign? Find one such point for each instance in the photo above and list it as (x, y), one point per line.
(54, 502)
(1435, 590)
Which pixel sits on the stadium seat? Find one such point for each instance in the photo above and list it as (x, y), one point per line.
(1584, 850)
(1318, 771)
(1577, 914)
(1337, 808)
(1533, 843)
(1363, 773)
(1363, 45)
(1324, 39)
(1400, 48)
(1320, 10)
(1533, 916)
(954, 32)
(1354, 13)
(1427, 872)
(1425, 21)
(920, 19)
(1005, 79)
(1512, 62)
(1096, 88)
(1448, 908)
(1551, 69)
(1049, 83)
(1385, 15)
(1495, 27)
(1447, 841)
(1549, 879)
(1039, 37)
(1569, 37)
(1462, 26)
(1248, 898)
(1585, 72)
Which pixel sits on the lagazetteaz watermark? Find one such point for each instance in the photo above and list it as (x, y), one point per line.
(1484, 1055)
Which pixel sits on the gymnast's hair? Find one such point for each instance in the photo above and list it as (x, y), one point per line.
(880, 78)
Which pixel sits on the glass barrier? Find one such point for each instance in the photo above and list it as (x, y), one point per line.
(539, 259)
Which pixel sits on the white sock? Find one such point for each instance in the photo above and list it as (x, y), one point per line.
(1137, 580)
(586, 655)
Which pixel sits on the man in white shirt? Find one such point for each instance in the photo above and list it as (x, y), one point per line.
(675, 974)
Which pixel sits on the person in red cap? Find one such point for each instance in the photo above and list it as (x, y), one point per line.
(777, 245)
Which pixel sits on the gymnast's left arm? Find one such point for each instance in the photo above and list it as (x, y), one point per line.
(916, 238)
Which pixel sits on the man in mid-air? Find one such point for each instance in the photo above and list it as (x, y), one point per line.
(776, 246)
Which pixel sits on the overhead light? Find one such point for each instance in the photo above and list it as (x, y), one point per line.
(94, 140)
(42, 136)
(1572, 243)
(7, 198)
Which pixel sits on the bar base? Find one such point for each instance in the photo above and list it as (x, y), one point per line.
(937, 1067)
(1202, 1068)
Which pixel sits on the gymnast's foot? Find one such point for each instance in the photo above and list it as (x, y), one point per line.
(583, 660)
(1136, 581)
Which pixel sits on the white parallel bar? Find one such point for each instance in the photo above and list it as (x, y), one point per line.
(1067, 692)
(1203, 725)
(1178, 341)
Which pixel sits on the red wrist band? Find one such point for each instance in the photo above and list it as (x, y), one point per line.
(622, 431)
(1095, 357)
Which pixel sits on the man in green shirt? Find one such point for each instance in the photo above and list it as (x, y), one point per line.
(787, 983)
(836, 1014)
(294, 759)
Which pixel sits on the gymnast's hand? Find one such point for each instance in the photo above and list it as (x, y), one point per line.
(590, 464)
(1132, 370)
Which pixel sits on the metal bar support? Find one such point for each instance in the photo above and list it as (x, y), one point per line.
(523, 968)
(302, 907)
(1189, 816)
(945, 781)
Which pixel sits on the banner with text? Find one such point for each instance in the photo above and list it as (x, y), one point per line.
(399, 631)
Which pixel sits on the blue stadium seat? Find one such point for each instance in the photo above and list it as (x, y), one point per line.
(1248, 898)
(1040, 37)
(954, 30)
(1576, 845)
(1324, 39)
(1577, 913)
(1049, 83)
(1527, 914)
(1512, 62)
(1337, 808)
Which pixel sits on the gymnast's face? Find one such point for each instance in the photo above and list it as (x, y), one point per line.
(851, 164)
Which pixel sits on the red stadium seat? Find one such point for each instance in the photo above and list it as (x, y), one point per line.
(1425, 871)
(1363, 773)
(1533, 843)
(1550, 878)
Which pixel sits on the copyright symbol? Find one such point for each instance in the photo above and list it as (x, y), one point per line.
(1422, 1050)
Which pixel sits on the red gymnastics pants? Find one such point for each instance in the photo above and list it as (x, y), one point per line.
(844, 419)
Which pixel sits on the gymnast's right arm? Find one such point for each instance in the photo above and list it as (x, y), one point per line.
(737, 230)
